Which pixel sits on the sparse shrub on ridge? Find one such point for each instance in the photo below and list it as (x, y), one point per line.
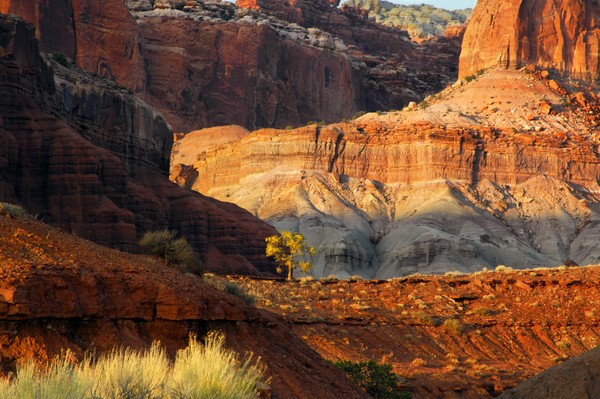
(12, 210)
(175, 251)
(235, 289)
(375, 379)
(199, 371)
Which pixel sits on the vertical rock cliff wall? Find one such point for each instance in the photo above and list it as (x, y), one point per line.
(557, 34)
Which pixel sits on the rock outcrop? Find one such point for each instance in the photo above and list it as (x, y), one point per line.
(561, 35)
(102, 37)
(575, 378)
(59, 292)
(87, 156)
(446, 186)
(270, 65)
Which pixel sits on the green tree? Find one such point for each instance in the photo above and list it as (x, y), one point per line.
(289, 250)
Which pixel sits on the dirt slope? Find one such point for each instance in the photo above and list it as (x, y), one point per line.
(61, 292)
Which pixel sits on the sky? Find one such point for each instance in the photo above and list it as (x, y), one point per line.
(447, 4)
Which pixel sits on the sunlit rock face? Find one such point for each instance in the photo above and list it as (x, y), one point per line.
(426, 190)
(514, 33)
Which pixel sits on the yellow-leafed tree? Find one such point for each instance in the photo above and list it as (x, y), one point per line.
(289, 251)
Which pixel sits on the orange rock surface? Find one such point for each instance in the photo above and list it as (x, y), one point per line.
(87, 156)
(455, 336)
(561, 35)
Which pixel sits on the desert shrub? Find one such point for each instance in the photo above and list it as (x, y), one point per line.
(199, 371)
(12, 210)
(175, 251)
(375, 379)
(235, 289)
(454, 326)
(61, 59)
(469, 78)
(426, 319)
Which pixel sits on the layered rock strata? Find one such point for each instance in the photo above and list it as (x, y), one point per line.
(87, 156)
(561, 35)
(425, 190)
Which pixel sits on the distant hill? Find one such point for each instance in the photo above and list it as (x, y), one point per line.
(419, 20)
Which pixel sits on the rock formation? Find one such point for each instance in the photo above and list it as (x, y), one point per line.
(575, 378)
(561, 35)
(59, 292)
(87, 156)
(452, 185)
(209, 63)
(102, 37)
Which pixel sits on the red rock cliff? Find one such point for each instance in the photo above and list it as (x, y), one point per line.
(87, 156)
(207, 64)
(562, 35)
(100, 35)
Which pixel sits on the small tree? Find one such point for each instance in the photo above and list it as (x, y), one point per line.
(288, 250)
(175, 251)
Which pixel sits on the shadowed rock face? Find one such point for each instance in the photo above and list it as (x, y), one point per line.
(87, 156)
(575, 378)
(101, 36)
(548, 33)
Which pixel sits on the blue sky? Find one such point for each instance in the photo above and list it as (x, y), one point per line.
(447, 4)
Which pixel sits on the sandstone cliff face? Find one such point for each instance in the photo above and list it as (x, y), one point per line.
(208, 63)
(561, 35)
(101, 36)
(248, 72)
(427, 190)
(91, 158)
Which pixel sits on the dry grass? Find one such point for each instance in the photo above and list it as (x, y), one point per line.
(199, 371)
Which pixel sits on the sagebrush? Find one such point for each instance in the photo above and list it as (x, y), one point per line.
(199, 371)
(175, 251)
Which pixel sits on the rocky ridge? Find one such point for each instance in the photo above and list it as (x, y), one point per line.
(419, 20)
(563, 36)
(455, 336)
(87, 156)
(443, 186)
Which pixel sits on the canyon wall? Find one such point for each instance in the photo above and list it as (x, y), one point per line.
(85, 155)
(561, 35)
(207, 64)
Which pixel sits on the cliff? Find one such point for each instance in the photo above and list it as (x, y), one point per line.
(209, 63)
(87, 156)
(475, 177)
(561, 35)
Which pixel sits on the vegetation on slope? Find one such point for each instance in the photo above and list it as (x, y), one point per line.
(199, 371)
(419, 20)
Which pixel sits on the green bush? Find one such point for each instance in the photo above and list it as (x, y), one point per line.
(12, 210)
(199, 371)
(375, 379)
(175, 251)
(234, 289)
